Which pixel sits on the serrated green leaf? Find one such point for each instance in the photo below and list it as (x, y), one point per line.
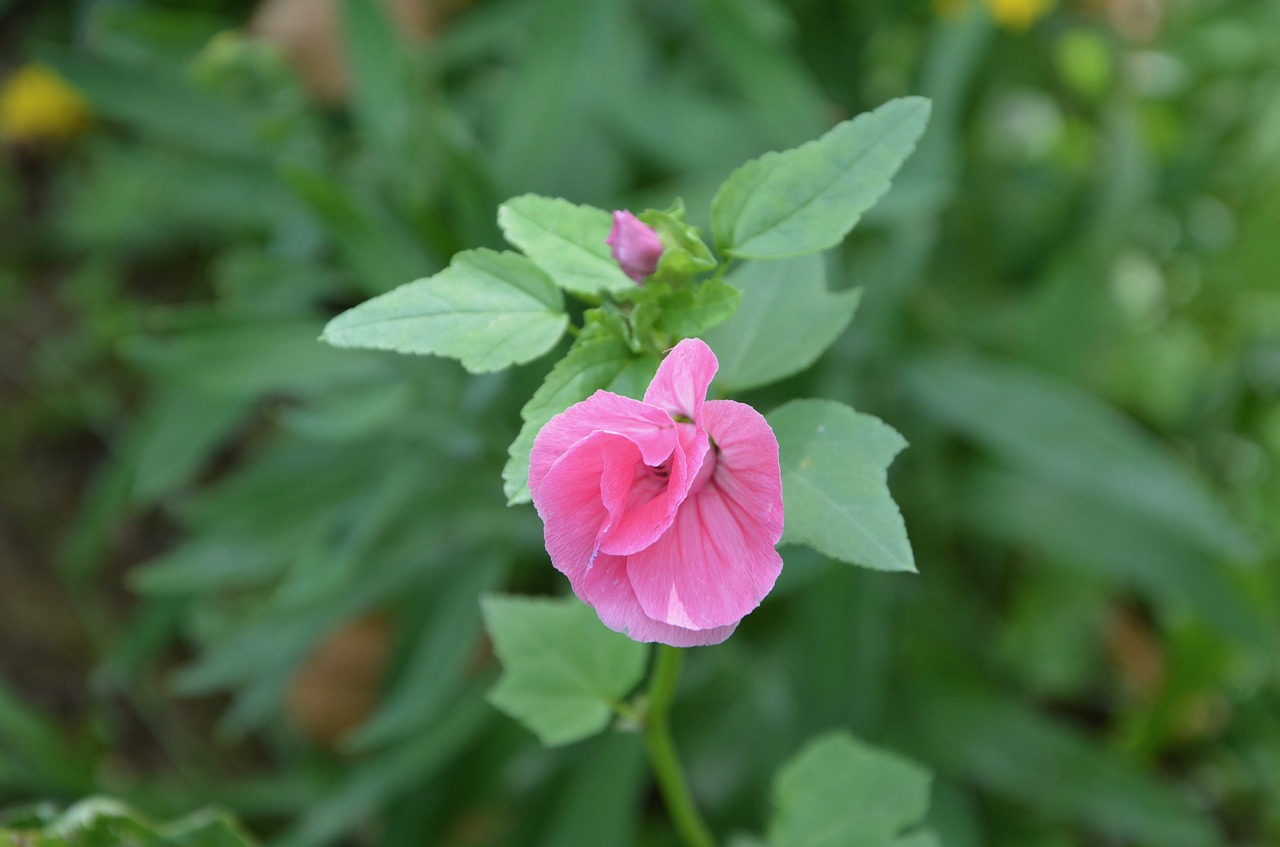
(786, 320)
(566, 241)
(693, 309)
(834, 466)
(840, 792)
(488, 310)
(597, 358)
(562, 670)
(806, 199)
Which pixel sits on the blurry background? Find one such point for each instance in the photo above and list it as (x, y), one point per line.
(239, 567)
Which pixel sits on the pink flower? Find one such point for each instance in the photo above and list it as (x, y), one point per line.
(635, 246)
(663, 513)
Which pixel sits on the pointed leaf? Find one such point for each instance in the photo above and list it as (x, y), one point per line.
(834, 466)
(806, 199)
(489, 310)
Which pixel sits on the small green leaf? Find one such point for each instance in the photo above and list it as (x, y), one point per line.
(99, 822)
(562, 670)
(840, 792)
(786, 321)
(834, 465)
(807, 199)
(566, 241)
(489, 310)
(694, 308)
(597, 358)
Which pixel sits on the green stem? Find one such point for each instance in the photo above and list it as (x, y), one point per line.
(662, 751)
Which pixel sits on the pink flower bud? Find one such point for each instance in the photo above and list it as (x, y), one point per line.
(635, 246)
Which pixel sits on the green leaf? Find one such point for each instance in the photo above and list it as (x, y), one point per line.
(786, 321)
(562, 670)
(1074, 440)
(99, 822)
(694, 308)
(566, 241)
(834, 466)
(597, 358)
(807, 199)
(488, 310)
(840, 792)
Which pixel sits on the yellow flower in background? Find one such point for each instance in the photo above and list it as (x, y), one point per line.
(37, 105)
(1011, 14)
(1018, 14)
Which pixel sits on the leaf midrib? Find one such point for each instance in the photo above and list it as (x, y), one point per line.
(809, 201)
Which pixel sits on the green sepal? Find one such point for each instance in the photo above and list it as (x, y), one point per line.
(686, 255)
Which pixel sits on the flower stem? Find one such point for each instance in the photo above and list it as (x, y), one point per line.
(662, 751)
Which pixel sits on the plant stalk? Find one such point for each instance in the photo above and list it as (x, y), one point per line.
(690, 826)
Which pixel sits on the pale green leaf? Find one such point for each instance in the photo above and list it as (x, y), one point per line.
(840, 792)
(594, 362)
(834, 487)
(488, 310)
(566, 241)
(807, 199)
(786, 320)
(563, 671)
(694, 308)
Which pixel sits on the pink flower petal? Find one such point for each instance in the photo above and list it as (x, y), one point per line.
(680, 385)
(647, 426)
(717, 561)
(655, 495)
(571, 499)
(607, 588)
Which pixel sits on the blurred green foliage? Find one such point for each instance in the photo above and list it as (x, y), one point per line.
(214, 530)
